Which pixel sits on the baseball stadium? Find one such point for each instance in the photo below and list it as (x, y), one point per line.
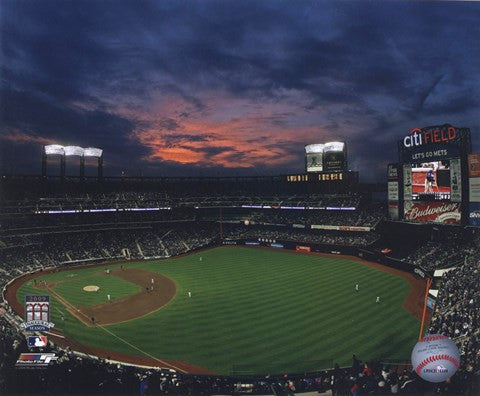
(234, 280)
(232, 197)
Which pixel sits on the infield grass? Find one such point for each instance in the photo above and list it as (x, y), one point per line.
(262, 311)
(72, 289)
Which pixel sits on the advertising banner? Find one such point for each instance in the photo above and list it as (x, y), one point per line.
(407, 182)
(474, 215)
(323, 227)
(353, 228)
(474, 188)
(474, 165)
(393, 191)
(339, 228)
(303, 248)
(474, 177)
(455, 180)
(393, 211)
(392, 172)
(433, 212)
(334, 157)
(298, 225)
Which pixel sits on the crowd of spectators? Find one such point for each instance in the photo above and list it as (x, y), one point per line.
(447, 249)
(298, 235)
(30, 252)
(365, 217)
(435, 256)
(74, 373)
(138, 199)
(457, 310)
(101, 238)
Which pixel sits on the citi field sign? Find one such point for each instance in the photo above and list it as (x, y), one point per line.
(419, 137)
(434, 143)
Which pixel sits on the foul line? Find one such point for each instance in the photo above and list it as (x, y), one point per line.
(121, 339)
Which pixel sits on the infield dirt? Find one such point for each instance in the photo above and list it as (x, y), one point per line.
(151, 298)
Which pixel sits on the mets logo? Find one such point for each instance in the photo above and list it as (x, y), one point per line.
(37, 314)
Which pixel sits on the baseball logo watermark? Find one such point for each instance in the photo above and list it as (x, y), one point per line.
(435, 358)
(37, 314)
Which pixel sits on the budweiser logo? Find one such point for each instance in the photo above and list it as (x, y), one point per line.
(418, 212)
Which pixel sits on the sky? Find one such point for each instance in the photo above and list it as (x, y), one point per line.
(228, 88)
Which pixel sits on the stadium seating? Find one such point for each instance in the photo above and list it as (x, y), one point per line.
(31, 241)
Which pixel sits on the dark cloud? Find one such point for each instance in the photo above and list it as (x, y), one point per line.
(176, 139)
(92, 73)
(168, 124)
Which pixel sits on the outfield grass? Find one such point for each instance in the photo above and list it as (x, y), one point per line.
(261, 310)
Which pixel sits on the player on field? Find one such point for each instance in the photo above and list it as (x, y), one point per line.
(378, 299)
(356, 287)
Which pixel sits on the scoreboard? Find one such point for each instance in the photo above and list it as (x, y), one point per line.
(430, 182)
(326, 157)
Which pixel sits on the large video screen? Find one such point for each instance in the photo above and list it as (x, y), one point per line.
(431, 181)
(314, 162)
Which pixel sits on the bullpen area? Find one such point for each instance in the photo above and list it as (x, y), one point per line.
(233, 310)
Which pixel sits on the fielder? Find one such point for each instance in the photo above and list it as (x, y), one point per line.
(356, 287)
(189, 294)
(377, 300)
(108, 297)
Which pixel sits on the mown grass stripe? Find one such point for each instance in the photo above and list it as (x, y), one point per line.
(262, 308)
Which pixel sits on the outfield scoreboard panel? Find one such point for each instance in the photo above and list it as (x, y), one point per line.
(326, 157)
(314, 157)
(432, 175)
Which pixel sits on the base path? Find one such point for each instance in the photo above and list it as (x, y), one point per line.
(136, 305)
(138, 276)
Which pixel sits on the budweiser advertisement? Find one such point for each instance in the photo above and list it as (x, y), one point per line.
(433, 212)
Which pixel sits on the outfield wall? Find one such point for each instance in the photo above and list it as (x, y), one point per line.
(359, 251)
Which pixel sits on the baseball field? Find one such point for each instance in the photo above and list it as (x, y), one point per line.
(228, 309)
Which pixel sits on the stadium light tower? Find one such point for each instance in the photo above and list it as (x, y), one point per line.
(70, 151)
(75, 151)
(53, 149)
(314, 157)
(96, 153)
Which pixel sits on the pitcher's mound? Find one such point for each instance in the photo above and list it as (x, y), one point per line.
(91, 288)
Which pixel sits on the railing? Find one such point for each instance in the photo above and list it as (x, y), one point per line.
(279, 368)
